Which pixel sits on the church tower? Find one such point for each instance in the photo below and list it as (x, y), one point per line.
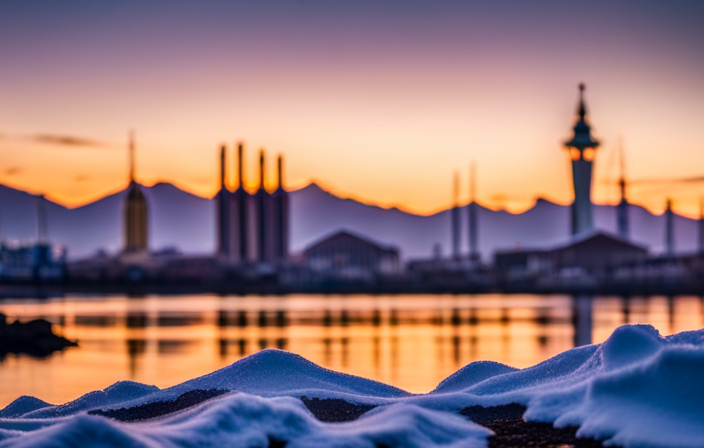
(135, 211)
(582, 147)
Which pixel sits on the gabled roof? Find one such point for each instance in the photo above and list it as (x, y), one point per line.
(345, 232)
(593, 234)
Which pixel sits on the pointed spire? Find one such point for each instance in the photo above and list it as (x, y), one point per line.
(582, 137)
(669, 229)
(456, 190)
(582, 111)
(131, 145)
(472, 182)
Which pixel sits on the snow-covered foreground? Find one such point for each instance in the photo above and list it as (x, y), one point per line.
(637, 389)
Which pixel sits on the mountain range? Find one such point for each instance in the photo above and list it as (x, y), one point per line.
(178, 219)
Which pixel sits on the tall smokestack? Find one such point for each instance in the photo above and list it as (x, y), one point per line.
(669, 230)
(472, 214)
(240, 169)
(42, 224)
(241, 202)
(280, 172)
(701, 225)
(223, 210)
(261, 169)
(280, 216)
(455, 217)
(222, 167)
(130, 155)
(263, 216)
(622, 210)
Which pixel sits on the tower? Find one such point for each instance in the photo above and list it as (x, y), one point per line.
(263, 217)
(135, 210)
(669, 230)
(240, 213)
(42, 221)
(582, 148)
(474, 255)
(455, 217)
(280, 216)
(700, 223)
(222, 210)
(622, 209)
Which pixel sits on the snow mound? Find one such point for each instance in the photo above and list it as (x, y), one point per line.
(23, 405)
(637, 389)
(472, 374)
(242, 420)
(273, 372)
(119, 392)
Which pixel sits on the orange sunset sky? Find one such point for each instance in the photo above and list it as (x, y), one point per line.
(377, 101)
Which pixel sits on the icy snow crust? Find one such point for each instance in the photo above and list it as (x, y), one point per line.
(637, 389)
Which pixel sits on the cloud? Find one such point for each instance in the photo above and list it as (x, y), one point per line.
(81, 178)
(66, 140)
(13, 170)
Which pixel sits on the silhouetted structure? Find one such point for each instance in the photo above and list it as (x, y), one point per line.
(348, 255)
(240, 213)
(251, 228)
(280, 217)
(222, 211)
(455, 218)
(42, 221)
(582, 148)
(474, 255)
(622, 209)
(669, 230)
(135, 211)
(594, 251)
(264, 226)
(700, 228)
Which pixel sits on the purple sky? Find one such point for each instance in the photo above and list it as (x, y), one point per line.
(380, 100)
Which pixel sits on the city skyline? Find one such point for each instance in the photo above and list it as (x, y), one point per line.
(381, 107)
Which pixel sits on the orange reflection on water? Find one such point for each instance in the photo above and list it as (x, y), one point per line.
(412, 342)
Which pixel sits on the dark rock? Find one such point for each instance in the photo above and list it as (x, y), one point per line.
(160, 408)
(335, 410)
(511, 431)
(34, 338)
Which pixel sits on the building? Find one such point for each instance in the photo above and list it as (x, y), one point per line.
(582, 148)
(345, 254)
(591, 252)
(251, 228)
(135, 212)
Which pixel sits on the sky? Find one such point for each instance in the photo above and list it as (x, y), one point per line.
(378, 100)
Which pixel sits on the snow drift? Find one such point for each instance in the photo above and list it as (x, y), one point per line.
(637, 389)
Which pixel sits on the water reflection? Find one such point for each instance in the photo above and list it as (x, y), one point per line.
(412, 342)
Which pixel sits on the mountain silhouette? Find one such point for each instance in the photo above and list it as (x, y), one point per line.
(178, 219)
